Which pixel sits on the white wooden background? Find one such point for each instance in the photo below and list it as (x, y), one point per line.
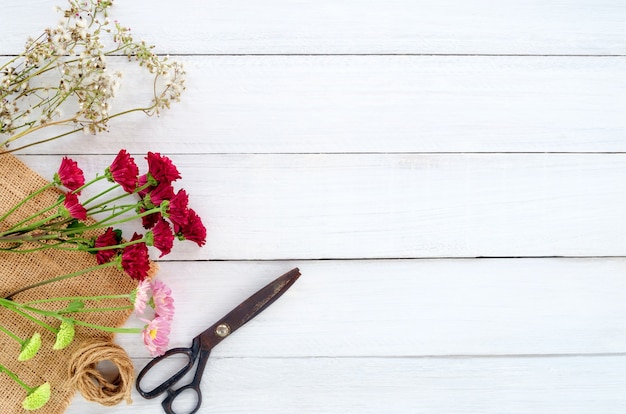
(448, 175)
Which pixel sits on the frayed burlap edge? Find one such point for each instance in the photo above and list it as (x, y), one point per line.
(18, 270)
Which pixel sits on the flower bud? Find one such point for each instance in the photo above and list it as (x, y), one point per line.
(30, 347)
(65, 335)
(37, 398)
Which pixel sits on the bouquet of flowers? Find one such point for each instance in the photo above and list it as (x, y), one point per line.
(80, 223)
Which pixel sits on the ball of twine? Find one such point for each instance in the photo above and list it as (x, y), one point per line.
(87, 379)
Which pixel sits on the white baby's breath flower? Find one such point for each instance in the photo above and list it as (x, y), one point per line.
(75, 51)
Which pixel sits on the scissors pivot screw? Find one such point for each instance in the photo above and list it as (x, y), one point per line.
(222, 330)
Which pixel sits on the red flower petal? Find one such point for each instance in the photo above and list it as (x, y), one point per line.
(194, 230)
(163, 191)
(179, 209)
(161, 168)
(141, 181)
(135, 260)
(73, 207)
(124, 171)
(163, 237)
(150, 220)
(69, 175)
(108, 238)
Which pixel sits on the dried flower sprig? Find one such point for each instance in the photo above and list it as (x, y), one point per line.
(64, 77)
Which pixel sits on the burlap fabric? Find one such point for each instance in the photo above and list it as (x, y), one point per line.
(18, 270)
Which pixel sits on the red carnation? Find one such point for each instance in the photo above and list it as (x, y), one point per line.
(163, 191)
(161, 168)
(135, 260)
(69, 175)
(73, 207)
(141, 181)
(108, 238)
(150, 220)
(163, 237)
(124, 171)
(193, 230)
(179, 209)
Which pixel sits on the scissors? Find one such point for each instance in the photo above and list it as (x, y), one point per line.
(202, 344)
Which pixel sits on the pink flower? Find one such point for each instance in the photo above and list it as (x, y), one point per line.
(141, 296)
(163, 300)
(135, 261)
(73, 207)
(163, 238)
(108, 238)
(156, 335)
(124, 171)
(161, 168)
(179, 209)
(69, 175)
(193, 230)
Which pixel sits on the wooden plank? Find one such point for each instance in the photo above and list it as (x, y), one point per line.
(352, 26)
(403, 205)
(316, 104)
(415, 308)
(404, 385)
(398, 205)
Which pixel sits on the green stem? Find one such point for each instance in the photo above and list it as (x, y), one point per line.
(114, 309)
(97, 249)
(25, 200)
(90, 209)
(87, 184)
(100, 195)
(112, 216)
(15, 307)
(15, 378)
(15, 228)
(63, 277)
(11, 334)
(23, 238)
(71, 298)
(108, 328)
(44, 246)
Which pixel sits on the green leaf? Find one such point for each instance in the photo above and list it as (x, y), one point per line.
(73, 306)
(77, 225)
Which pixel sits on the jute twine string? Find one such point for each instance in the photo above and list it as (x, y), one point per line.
(87, 379)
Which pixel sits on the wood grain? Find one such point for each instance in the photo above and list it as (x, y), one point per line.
(350, 26)
(356, 104)
(363, 336)
(327, 206)
(404, 385)
(410, 308)
(403, 141)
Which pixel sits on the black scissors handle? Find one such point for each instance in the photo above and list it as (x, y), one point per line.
(192, 353)
(193, 385)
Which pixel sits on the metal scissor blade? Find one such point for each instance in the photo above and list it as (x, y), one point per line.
(248, 309)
